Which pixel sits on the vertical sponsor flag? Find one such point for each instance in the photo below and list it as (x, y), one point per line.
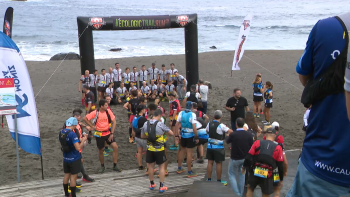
(13, 66)
(7, 97)
(242, 38)
(7, 28)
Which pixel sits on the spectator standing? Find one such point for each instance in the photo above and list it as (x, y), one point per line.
(238, 106)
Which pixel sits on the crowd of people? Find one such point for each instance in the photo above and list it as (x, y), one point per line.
(141, 93)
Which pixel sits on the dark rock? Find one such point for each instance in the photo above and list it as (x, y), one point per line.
(115, 49)
(65, 56)
(213, 47)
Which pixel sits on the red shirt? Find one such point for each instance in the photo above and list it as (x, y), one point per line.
(277, 153)
(279, 139)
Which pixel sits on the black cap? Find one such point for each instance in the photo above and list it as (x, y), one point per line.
(140, 108)
(271, 131)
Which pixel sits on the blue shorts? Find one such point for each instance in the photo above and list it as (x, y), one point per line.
(307, 184)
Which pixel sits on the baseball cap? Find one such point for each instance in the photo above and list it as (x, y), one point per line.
(153, 64)
(188, 105)
(271, 130)
(275, 124)
(71, 122)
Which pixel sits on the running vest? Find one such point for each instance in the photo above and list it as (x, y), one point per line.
(192, 97)
(135, 122)
(63, 140)
(332, 80)
(151, 130)
(186, 125)
(199, 114)
(256, 88)
(214, 136)
(178, 107)
(265, 158)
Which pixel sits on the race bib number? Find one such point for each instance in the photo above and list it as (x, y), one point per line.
(276, 178)
(261, 172)
(126, 82)
(121, 94)
(97, 134)
(172, 75)
(163, 81)
(103, 82)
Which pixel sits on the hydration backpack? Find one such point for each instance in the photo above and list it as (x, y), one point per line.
(192, 97)
(135, 122)
(63, 140)
(94, 121)
(199, 114)
(151, 130)
(256, 88)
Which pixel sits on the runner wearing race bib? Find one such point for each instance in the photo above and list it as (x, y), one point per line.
(142, 75)
(117, 74)
(127, 78)
(134, 76)
(163, 75)
(153, 73)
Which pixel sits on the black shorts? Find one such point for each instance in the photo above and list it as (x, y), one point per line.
(173, 123)
(100, 141)
(217, 155)
(202, 141)
(127, 86)
(188, 142)
(72, 167)
(268, 105)
(257, 98)
(117, 84)
(175, 83)
(102, 89)
(266, 184)
(157, 157)
(82, 91)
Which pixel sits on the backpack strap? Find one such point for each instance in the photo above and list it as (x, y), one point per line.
(109, 117)
(95, 119)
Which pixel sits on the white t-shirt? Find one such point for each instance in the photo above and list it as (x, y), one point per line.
(132, 88)
(222, 128)
(117, 74)
(153, 73)
(198, 96)
(102, 80)
(121, 92)
(133, 76)
(143, 75)
(172, 74)
(153, 88)
(110, 78)
(181, 80)
(127, 78)
(170, 88)
(109, 91)
(203, 90)
(163, 75)
(145, 90)
(93, 80)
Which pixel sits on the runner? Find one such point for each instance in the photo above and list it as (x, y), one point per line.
(93, 82)
(181, 85)
(175, 109)
(110, 76)
(132, 87)
(117, 76)
(79, 132)
(134, 76)
(189, 138)
(89, 99)
(121, 93)
(137, 124)
(103, 134)
(192, 96)
(279, 140)
(109, 90)
(161, 91)
(153, 72)
(85, 80)
(71, 157)
(142, 75)
(215, 147)
(127, 78)
(102, 80)
(163, 74)
(203, 90)
(154, 90)
(153, 130)
(268, 102)
(171, 74)
(258, 95)
(170, 87)
(131, 106)
(145, 90)
(266, 156)
(201, 118)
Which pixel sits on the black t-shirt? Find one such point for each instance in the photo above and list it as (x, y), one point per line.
(134, 102)
(253, 133)
(241, 142)
(89, 98)
(140, 124)
(240, 105)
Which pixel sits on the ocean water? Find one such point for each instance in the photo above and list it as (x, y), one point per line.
(43, 28)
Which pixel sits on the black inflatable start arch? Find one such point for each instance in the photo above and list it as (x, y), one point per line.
(187, 21)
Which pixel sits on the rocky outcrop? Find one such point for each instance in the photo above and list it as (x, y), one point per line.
(115, 49)
(213, 47)
(65, 56)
